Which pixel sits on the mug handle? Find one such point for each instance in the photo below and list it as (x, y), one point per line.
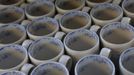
(27, 43)
(58, 16)
(86, 9)
(126, 20)
(95, 28)
(105, 52)
(116, 2)
(26, 68)
(60, 35)
(67, 61)
(23, 5)
(25, 23)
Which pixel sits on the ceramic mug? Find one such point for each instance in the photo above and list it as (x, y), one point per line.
(39, 9)
(95, 64)
(12, 34)
(127, 61)
(106, 13)
(12, 57)
(10, 15)
(65, 6)
(75, 20)
(117, 36)
(92, 3)
(13, 73)
(42, 27)
(112, 36)
(47, 49)
(50, 68)
(128, 6)
(80, 43)
(8, 3)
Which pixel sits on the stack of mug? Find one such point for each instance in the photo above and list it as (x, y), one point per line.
(66, 37)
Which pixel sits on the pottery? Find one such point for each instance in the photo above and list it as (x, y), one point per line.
(75, 20)
(39, 9)
(106, 13)
(65, 6)
(42, 27)
(10, 15)
(95, 64)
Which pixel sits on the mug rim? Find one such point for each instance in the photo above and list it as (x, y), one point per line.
(95, 55)
(37, 21)
(84, 51)
(102, 39)
(20, 39)
(24, 60)
(13, 71)
(121, 58)
(51, 62)
(109, 4)
(14, 8)
(16, 4)
(40, 1)
(52, 59)
(125, 10)
(92, 4)
(77, 12)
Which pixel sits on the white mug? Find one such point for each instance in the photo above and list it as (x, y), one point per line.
(12, 57)
(39, 9)
(12, 34)
(126, 62)
(45, 49)
(75, 20)
(112, 36)
(8, 3)
(10, 15)
(106, 13)
(65, 6)
(95, 64)
(13, 73)
(81, 43)
(42, 27)
(128, 6)
(50, 68)
(117, 36)
(92, 3)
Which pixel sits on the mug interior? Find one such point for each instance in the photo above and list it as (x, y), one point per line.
(10, 15)
(129, 5)
(106, 12)
(45, 49)
(97, 1)
(69, 4)
(94, 65)
(75, 20)
(81, 40)
(11, 56)
(118, 33)
(39, 9)
(43, 27)
(8, 2)
(127, 59)
(50, 69)
(10, 34)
